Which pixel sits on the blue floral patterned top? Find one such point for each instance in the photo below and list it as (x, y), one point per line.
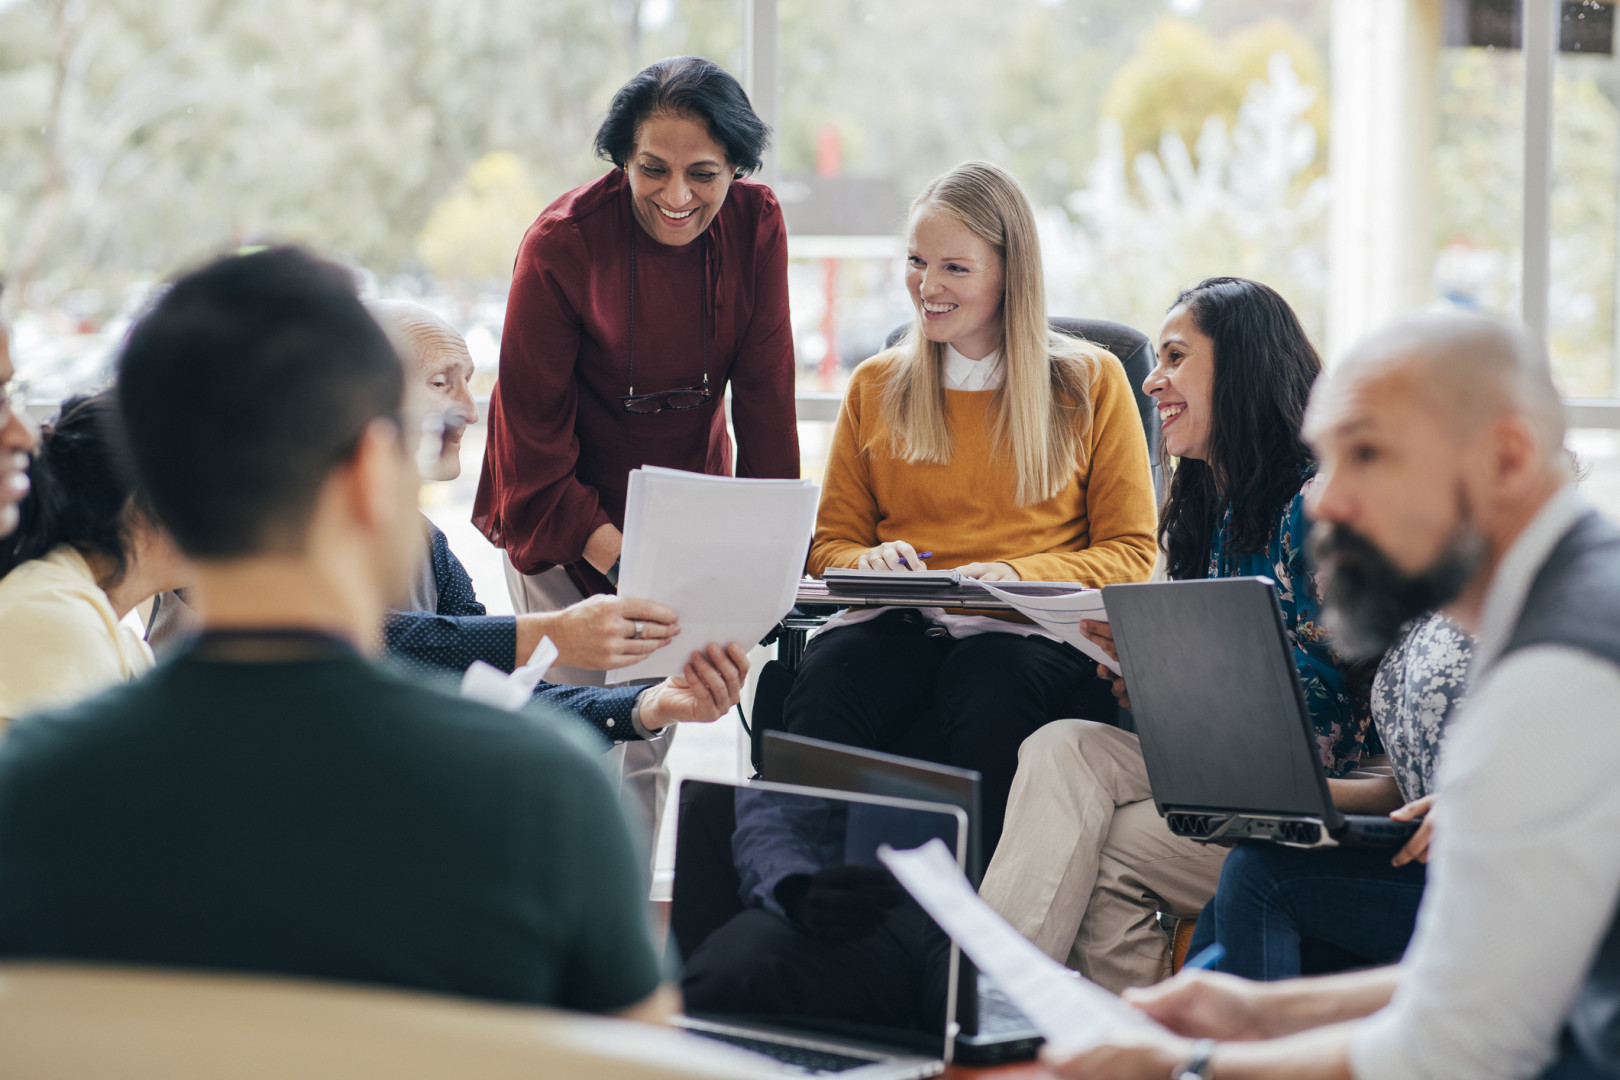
(1341, 717)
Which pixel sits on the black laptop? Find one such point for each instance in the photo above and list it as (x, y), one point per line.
(1230, 748)
(797, 943)
(990, 1029)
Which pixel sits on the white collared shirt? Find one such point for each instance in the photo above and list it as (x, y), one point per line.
(1524, 871)
(961, 373)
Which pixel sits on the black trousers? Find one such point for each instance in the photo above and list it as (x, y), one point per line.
(759, 966)
(891, 685)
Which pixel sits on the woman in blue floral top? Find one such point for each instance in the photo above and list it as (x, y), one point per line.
(1085, 860)
(1340, 713)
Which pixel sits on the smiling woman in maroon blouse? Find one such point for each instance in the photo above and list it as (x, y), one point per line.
(635, 301)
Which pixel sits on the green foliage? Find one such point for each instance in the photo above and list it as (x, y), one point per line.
(469, 235)
(137, 137)
(1183, 74)
(1477, 169)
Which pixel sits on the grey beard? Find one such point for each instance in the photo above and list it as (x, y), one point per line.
(1367, 599)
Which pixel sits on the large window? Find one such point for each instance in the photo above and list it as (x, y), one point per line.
(1362, 156)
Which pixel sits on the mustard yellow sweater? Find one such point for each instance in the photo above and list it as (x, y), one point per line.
(1098, 530)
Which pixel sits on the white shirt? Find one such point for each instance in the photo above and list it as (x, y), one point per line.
(60, 641)
(964, 374)
(1524, 871)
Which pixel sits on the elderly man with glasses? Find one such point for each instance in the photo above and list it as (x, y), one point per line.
(445, 626)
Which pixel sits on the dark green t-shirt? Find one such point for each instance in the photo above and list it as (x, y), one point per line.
(322, 818)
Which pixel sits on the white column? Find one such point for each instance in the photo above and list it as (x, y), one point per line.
(1381, 245)
(1541, 19)
(760, 70)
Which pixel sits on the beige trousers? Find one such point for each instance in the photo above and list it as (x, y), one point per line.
(639, 765)
(1086, 861)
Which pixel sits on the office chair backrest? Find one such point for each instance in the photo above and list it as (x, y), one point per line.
(67, 1022)
(1136, 354)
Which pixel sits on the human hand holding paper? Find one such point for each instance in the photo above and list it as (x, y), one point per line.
(1072, 1013)
(493, 687)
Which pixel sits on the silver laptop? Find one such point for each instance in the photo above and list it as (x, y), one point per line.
(1230, 748)
(990, 1029)
(796, 943)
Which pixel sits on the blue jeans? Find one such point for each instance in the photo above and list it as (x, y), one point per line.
(1282, 912)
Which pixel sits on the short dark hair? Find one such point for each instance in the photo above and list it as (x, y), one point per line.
(687, 86)
(80, 489)
(1265, 366)
(243, 388)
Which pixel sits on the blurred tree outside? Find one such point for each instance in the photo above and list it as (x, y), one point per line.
(1241, 201)
(1478, 215)
(1183, 74)
(136, 138)
(469, 233)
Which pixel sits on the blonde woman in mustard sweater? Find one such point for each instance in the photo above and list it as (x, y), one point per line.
(1008, 452)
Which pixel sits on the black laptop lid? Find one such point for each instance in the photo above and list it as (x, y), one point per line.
(786, 920)
(1216, 698)
(797, 759)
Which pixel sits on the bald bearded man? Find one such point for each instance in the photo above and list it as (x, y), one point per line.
(1444, 481)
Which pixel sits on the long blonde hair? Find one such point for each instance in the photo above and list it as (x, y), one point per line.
(1043, 407)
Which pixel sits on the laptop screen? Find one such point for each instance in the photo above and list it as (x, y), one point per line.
(785, 920)
(795, 759)
(1216, 698)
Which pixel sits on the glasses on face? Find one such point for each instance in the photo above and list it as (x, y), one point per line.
(687, 397)
(14, 399)
(426, 437)
(439, 436)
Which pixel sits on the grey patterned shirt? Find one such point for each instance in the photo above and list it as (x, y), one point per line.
(1418, 688)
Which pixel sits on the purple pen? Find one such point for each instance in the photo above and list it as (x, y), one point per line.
(920, 556)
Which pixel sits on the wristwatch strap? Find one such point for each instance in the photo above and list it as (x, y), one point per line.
(1197, 1067)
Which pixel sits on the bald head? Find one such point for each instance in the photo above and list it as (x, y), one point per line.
(421, 336)
(1438, 439)
(1465, 369)
(438, 372)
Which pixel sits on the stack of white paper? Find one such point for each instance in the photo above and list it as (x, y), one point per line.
(1073, 1013)
(1062, 616)
(726, 553)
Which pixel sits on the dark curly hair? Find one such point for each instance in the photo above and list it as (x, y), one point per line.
(81, 491)
(686, 86)
(1264, 369)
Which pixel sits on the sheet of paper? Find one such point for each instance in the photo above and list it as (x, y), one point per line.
(1071, 1012)
(725, 553)
(494, 687)
(1062, 615)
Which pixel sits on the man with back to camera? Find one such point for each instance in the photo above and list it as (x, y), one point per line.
(268, 801)
(17, 437)
(441, 625)
(1444, 481)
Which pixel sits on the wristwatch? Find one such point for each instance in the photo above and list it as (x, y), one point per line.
(1198, 1062)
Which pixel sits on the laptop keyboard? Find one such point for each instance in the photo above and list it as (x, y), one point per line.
(816, 1061)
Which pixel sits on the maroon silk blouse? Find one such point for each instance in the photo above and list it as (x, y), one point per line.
(561, 446)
